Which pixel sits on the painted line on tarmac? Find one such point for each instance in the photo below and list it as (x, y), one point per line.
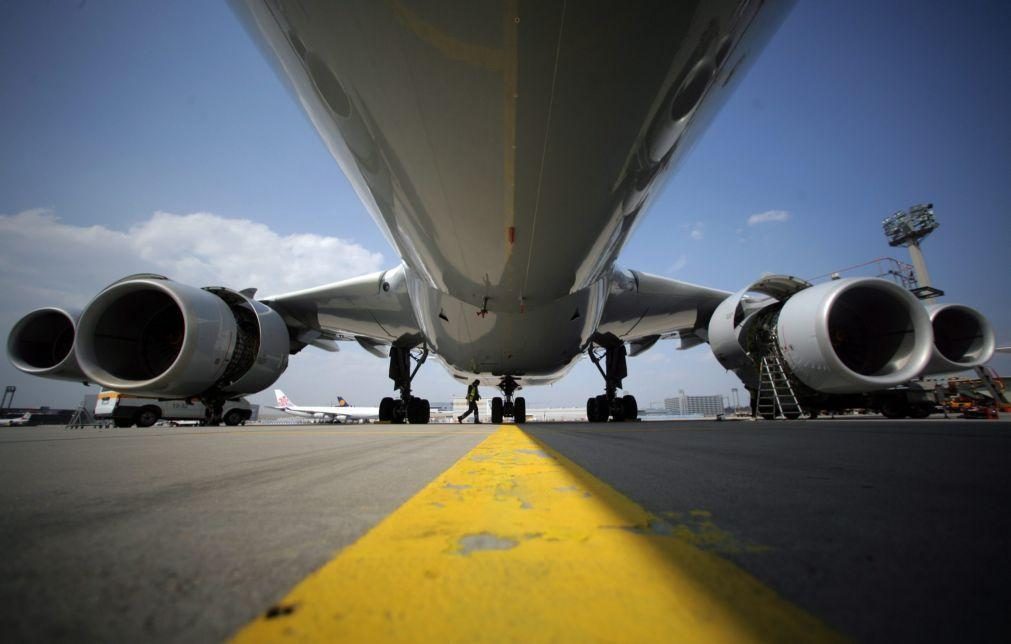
(515, 542)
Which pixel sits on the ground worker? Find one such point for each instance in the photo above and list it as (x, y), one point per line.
(472, 397)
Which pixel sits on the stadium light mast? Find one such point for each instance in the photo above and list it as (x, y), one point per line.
(908, 228)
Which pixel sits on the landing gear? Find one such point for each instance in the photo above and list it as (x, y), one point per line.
(610, 404)
(406, 408)
(508, 408)
(214, 407)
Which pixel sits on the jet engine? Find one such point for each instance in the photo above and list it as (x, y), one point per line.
(147, 334)
(845, 336)
(963, 338)
(42, 344)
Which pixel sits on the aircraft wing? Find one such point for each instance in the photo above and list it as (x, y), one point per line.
(372, 309)
(642, 309)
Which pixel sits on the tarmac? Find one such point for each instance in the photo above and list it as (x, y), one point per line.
(871, 529)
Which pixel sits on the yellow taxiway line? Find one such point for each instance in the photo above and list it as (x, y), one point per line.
(516, 543)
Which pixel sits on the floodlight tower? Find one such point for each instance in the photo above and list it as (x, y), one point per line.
(908, 228)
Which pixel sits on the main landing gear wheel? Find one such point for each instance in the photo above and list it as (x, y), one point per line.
(406, 408)
(233, 418)
(418, 411)
(386, 410)
(609, 404)
(630, 407)
(520, 410)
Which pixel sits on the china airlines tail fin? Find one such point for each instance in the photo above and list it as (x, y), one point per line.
(282, 400)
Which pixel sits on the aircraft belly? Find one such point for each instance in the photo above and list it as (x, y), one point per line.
(539, 341)
(507, 149)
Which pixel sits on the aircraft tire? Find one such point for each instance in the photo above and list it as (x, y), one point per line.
(591, 410)
(386, 410)
(418, 411)
(630, 407)
(496, 410)
(603, 409)
(520, 410)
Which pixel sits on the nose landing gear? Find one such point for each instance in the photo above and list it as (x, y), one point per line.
(517, 410)
(610, 404)
(406, 408)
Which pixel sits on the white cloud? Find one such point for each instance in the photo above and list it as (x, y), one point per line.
(45, 261)
(697, 230)
(768, 216)
(678, 264)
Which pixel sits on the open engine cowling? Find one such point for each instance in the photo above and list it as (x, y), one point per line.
(42, 344)
(845, 336)
(963, 338)
(148, 334)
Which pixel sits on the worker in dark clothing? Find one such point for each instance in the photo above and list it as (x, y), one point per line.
(472, 397)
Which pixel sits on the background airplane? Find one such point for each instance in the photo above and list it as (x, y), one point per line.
(14, 422)
(342, 411)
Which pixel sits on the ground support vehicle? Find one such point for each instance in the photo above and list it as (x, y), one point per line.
(125, 410)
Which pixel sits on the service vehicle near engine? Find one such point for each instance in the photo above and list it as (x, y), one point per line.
(125, 410)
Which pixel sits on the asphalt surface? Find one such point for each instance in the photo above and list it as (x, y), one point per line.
(186, 534)
(887, 530)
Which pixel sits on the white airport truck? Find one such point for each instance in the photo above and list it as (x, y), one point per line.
(125, 410)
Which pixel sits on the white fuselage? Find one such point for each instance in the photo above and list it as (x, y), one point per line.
(508, 150)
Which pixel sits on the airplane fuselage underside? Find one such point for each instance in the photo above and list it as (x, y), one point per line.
(507, 150)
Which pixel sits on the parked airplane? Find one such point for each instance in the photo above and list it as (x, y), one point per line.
(507, 150)
(16, 421)
(342, 411)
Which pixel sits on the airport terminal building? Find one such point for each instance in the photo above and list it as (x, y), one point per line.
(692, 405)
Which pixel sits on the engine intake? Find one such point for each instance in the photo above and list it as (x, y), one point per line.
(42, 344)
(845, 336)
(963, 338)
(854, 335)
(148, 334)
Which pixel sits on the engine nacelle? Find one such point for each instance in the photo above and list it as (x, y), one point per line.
(845, 336)
(963, 338)
(42, 344)
(854, 335)
(147, 334)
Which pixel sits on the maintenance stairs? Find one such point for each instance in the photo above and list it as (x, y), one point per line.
(83, 418)
(776, 398)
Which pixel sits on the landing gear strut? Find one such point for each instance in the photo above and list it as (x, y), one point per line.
(406, 408)
(214, 406)
(610, 404)
(516, 409)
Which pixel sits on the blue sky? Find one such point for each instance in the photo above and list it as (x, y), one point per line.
(115, 111)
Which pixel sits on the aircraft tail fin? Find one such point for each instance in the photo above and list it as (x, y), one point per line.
(342, 403)
(282, 400)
